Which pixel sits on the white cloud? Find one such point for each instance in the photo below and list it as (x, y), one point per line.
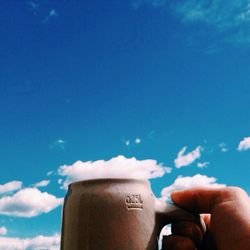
(185, 160)
(60, 181)
(10, 186)
(168, 170)
(43, 183)
(3, 230)
(117, 167)
(28, 202)
(223, 147)
(182, 183)
(137, 141)
(203, 164)
(130, 142)
(222, 14)
(52, 14)
(244, 144)
(59, 144)
(230, 17)
(127, 142)
(32, 6)
(37, 243)
(49, 173)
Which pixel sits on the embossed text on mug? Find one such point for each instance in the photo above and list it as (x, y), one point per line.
(134, 201)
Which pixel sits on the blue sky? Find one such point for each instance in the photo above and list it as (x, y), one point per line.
(96, 85)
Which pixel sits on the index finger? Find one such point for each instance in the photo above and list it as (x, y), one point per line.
(203, 200)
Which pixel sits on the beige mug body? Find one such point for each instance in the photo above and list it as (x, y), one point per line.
(115, 214)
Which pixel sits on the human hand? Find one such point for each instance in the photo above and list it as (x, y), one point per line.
(226, 212)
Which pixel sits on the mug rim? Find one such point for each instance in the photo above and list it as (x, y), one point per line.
(102, 180)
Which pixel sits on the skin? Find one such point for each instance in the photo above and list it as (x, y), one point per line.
(226, 212)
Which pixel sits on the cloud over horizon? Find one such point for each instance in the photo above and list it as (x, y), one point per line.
(117, 167)
(28, 202)
(39, 242)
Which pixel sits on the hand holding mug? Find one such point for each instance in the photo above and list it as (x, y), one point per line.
(116, 214)
(227, 215)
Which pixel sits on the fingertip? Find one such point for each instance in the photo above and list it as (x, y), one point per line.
(183, 198)
(175, 195)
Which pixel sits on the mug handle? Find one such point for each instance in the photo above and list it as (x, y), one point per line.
(167, 213)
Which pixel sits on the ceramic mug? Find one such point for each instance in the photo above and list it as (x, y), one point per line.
(116, 214)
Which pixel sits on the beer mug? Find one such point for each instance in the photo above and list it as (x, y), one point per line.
(116, 214)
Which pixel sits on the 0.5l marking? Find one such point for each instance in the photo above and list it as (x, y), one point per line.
(134, 201)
